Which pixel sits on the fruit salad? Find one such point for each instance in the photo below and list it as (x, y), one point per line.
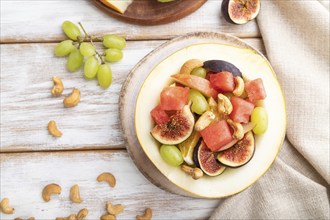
(207, 118)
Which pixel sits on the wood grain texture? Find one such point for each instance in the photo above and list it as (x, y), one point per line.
(24, 175)
(35, 21)
(27, 105)
(153, 12)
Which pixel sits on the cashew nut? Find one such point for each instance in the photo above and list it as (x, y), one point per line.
(73, 99)
(224, 104)
(31, 218)
(189, 65)
(147, 215)
(204, 120)
(107, 177)
(108, 217)
(239, 86)
(114, 209)
(212, 103)
(75, 194)
(82, 214)
(58, 86)
(5, 208)
(195, 173)
(70, 217)
(50, 189)
(238, 129)
(53, 130)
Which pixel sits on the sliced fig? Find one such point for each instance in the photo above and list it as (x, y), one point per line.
(220, 66)
(207, 160)
(240, 154)
(240, 11)
(177, 129)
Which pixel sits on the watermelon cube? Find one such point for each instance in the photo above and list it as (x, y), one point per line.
(223, 81)
(159, 115)
(217, 135)
(174, 98)
(255, 90)
(242, 110)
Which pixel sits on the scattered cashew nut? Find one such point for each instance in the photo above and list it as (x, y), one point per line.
(31, 218)
(53, 130)
(73, 99)
(70, 217)
(189, 65)
(224, 104)
(82, 214)
(58, 86)
(147, 215)
(108, 217)
(195, 173)
(5, 208)
(75, 194)
(50, 189)
(239, 86)
(238, 129)
(114, 209)
(107, 177)
(204, 120)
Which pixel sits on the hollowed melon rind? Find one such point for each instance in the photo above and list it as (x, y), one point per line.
(252, 66)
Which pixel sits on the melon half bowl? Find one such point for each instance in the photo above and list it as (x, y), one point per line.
(157, 67)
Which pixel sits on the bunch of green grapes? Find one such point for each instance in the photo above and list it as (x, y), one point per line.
(81, 52)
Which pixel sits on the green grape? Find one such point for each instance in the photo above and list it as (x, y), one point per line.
(114, 41)
(75, 60)
(87, 49)
(171, 155)
(199, 103)
(113, 55)
(64, 48)
(90, 68)
(104, 75)
(199, 71)
(71, 30)
(259, 116)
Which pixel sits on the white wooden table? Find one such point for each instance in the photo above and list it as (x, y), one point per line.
(92, 140)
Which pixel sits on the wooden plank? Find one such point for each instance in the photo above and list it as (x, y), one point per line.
(24, 175)
(40, 21)
(27, 105)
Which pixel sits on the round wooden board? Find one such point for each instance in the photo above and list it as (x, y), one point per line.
(152, 12)
(131, 88)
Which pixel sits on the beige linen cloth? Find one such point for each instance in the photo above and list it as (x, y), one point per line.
(296, 37)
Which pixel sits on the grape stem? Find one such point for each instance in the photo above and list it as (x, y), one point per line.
(90, 38)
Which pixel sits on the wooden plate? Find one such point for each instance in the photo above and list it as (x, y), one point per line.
(140, 93)
(152, 12)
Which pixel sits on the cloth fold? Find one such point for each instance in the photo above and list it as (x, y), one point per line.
(296, 38)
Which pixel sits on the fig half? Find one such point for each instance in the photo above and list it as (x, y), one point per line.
(221, 65)
(206, 160)
(240, 154)
(177, 129)
(240, 11)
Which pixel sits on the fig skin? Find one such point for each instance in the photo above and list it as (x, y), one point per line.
(220, 66)
(207, 161)
(245, 10)
(224, 10)
(244, 148)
